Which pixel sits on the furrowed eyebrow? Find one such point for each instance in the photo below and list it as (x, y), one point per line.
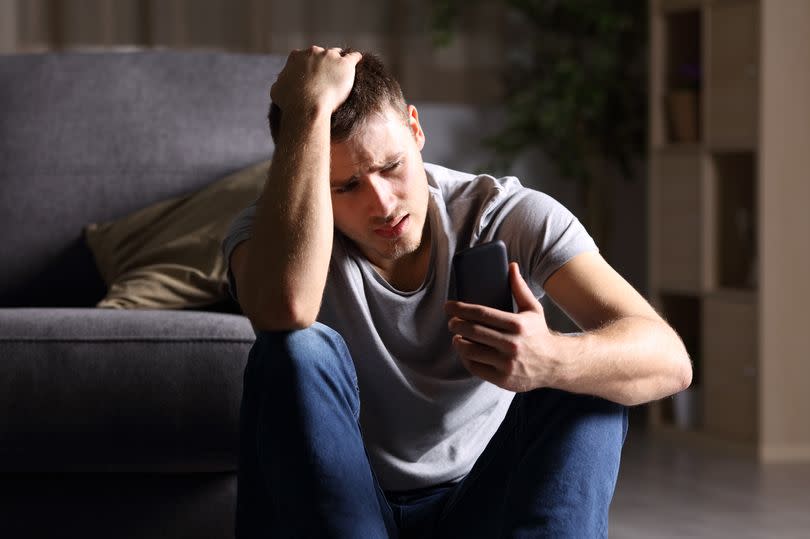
(393, 159)
(388, 162)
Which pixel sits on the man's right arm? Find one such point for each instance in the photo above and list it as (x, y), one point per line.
(280, 272)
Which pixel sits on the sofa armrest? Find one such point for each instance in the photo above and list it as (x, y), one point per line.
(147, 391)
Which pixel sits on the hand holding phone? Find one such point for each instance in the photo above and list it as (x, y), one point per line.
(482, 276)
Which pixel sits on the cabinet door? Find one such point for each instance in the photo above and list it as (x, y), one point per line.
(732, 91)
(729, 356)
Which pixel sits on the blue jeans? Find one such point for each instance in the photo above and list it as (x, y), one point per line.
(549, 471)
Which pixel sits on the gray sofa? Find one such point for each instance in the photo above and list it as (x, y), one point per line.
(115, 423)
(124, 423)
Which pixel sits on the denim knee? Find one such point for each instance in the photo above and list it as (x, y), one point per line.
(575, 449)
(317, 354)
(303, 470)
(585, 413)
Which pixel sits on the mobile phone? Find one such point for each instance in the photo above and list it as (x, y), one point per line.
(482, 276)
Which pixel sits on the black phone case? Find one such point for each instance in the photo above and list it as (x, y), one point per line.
(482, 276)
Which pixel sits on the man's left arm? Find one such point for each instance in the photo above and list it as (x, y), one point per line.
(626, 353)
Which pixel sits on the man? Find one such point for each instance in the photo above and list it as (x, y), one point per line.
(375, 407)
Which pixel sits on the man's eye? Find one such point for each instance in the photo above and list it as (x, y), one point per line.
(392, 166)
(351, 186)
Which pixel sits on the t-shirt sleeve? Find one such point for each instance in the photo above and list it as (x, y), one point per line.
(239, 231)
(541, 234)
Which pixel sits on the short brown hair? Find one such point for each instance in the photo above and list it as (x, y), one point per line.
(374, 88)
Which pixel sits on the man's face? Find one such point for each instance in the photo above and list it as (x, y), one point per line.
(379, 188)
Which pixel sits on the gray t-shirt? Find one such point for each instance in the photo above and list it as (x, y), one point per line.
(425, 419)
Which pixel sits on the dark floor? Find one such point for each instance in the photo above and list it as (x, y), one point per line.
(671, 488)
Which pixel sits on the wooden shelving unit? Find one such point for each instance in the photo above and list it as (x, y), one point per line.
(729, 218)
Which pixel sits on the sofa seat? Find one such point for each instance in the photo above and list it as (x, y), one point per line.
(92, 390)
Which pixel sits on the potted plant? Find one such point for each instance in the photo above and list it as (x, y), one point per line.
(575, 86)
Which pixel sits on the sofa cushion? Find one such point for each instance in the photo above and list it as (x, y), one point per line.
(125, 390)
(168, 255)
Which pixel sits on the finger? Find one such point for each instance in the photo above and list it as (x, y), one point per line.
(482, 371)
(483, 315)
(481, 334)
(354, 57)
(524, 297)
(473, 351)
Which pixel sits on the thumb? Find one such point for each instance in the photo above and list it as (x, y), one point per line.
(524, 298)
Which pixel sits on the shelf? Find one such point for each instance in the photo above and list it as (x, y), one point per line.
(681, 101)
(727, 219)
(678, 5)
(734, 295)
(732, 93)
(676, 197)
(730, 147)
(678, 148)
(723, 294)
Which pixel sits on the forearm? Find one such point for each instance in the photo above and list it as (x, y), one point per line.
(629, 361)
(288, 254)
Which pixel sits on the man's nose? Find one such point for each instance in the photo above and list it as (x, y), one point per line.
(383, 201)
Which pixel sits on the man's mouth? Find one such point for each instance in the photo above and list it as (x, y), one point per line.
(395, 230)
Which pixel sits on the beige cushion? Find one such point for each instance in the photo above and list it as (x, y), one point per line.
(167, 256)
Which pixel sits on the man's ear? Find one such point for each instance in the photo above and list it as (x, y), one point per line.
(416, 127)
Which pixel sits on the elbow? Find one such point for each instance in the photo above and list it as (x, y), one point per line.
(671, 380)
(297, 316)
(276, 307)
(673, 376)
(680, 369)
(276, 324)
(686, 374)
(684, 368)
(680, 375)
(281, 314)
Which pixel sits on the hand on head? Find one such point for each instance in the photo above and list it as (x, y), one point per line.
(315, 78)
